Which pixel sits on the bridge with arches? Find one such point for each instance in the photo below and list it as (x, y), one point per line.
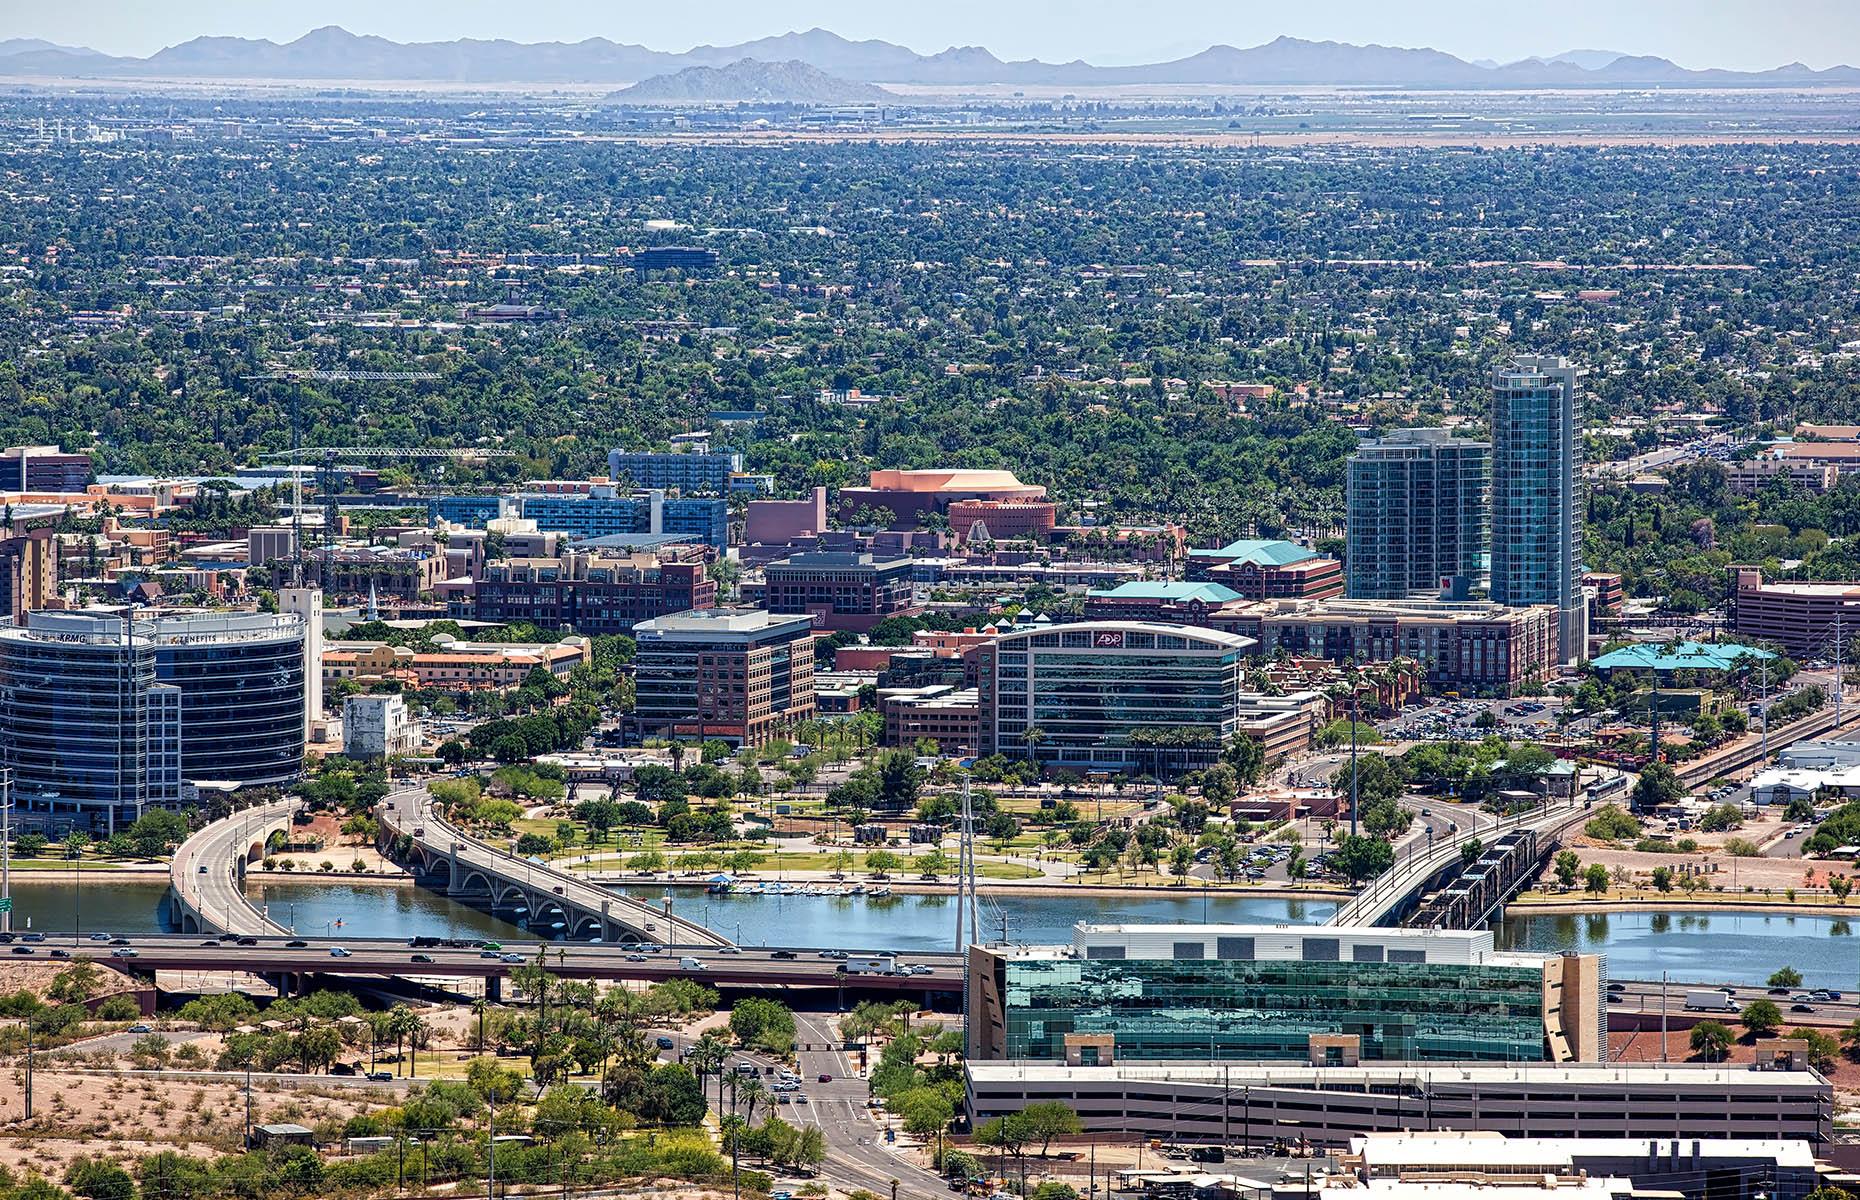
(527, 892)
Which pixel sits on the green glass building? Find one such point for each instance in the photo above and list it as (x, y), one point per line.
(1284, 993)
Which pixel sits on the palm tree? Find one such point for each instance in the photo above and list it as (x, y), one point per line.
(479, 1007)
(707, 1054)
(1032, 739)
(749, 1091)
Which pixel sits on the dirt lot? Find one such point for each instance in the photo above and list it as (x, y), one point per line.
(119, 1117)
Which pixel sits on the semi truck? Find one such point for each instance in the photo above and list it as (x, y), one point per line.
(1712, 1001)
(883, 964)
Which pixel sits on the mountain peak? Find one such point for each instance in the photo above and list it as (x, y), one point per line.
(333, 52)
(790, 82)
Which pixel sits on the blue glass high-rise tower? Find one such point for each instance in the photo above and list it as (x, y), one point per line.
(1536, 500)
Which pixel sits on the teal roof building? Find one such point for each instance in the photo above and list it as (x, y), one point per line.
(1264, 552)
(1682, 656)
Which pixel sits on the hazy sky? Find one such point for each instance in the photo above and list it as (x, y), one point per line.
(1743, 34)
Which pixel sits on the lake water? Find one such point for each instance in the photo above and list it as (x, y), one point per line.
(909, 922)
(1735, 946)
(1731, 946)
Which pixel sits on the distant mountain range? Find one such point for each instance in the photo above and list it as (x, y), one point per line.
(791, 82)
(332, 53)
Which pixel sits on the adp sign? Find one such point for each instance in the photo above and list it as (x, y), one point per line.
(1108, 639)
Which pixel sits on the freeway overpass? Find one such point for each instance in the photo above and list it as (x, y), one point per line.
(522, 890)
(1525, 839)
(206, 880)
(292, 962)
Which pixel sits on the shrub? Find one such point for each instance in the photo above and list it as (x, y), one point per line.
(119, 1008)
(1611, 824)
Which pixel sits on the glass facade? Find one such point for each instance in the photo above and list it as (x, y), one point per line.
(1233, 1007)
(1536, 505)
(96, 724)
(1115, 695)
(1418, 500)
(603, 515)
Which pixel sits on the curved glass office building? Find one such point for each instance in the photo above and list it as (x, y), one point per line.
(106, 711)
(1112, 695)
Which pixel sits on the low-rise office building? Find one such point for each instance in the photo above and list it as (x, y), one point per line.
(1803, 618)
(840, 590)
(1282, 725)
(1329, 995)
(1473, 645)
(695, 473)
(1252, 1104)
(592, 593)
(739, 674)
(1269, 569)
(1111, 695)
(378, 727)
(602, 510)
(43, 469)
(948, 715)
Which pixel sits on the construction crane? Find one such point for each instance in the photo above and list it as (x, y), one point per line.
(324, 458)
(345, 376)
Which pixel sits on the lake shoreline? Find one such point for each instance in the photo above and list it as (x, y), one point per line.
(1742, 904)
(999, 889)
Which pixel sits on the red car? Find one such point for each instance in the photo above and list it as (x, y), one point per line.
(825, 1078)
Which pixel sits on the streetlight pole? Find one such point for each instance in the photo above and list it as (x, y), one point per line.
(1353, 716)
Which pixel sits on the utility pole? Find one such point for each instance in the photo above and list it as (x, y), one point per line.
(1763, 707)
(1353, 715)
(1840, 665)
(6, 849)
(490, 1147)
(1663, 1016)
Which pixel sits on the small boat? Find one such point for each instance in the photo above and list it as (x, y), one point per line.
(882, 892)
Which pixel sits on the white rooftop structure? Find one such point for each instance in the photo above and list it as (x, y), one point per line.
(1570, 1077)
(1564, 1187)
(1394, 1153)
(1310, 943)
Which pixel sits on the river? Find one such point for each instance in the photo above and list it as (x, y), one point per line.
(1729, 946)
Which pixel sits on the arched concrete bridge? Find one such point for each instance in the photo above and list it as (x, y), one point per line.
(547, 900)
(206, 880)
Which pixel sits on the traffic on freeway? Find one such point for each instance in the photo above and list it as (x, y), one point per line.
(430, 956)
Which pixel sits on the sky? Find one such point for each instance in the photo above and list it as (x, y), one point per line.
(1736, 34)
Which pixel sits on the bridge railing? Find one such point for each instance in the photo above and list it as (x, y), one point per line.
(213, 848)
(441, 835)
(1386, 891)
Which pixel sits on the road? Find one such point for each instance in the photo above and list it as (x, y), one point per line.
(379, 957)
(1645, 996)
(412, 812)
(203, 872)
(857, 1154)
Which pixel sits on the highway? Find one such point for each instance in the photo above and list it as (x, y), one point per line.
(376, 957)
(204, 877)
(411, 812)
